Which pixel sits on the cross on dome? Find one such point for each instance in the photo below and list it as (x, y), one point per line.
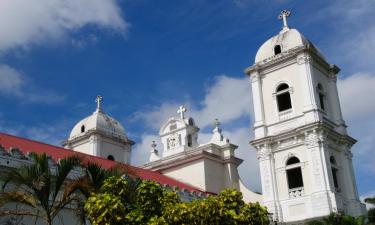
(99, 100)
(283, 15)
(181, 110)
(217, 123)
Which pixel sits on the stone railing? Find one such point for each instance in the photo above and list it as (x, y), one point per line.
(296, 192)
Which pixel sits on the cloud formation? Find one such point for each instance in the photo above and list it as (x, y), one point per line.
(11, 81)
(358, 86)
(227, 99)
(14, 84)
(39, 21)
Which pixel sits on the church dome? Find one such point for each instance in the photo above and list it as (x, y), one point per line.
(287, 39)
(98, 121)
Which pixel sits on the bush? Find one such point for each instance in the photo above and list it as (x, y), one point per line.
(121, 201)
(371, 215)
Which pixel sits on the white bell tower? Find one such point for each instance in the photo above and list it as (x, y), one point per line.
(301, 141)
(179, 134)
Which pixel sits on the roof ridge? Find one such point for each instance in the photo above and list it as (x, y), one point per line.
(147, 174)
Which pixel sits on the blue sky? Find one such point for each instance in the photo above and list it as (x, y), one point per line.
(148, 57)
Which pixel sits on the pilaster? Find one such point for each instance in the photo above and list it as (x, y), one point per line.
(310, 107)
(256, 83)
(95, 144)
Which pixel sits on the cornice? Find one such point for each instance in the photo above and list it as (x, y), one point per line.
(97, 132)
(302, 131)
(282, 59)
(190, 156)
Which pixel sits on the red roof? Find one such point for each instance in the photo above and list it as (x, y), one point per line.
(26, 145)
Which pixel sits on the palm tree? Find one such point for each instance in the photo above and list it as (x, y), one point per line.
(44, 190)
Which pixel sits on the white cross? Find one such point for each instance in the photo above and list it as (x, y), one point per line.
(283, 15)
(153, 146)
(217, 123)
(99, 100)
(181, 110)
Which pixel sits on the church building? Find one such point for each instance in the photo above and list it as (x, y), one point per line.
(301, 140)
(300, 137)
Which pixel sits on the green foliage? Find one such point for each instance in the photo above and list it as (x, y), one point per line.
(225, 209)
(370, 200)
(146, 202)
(315, 222)
(338, 219)
(371, 215)
(97, 207)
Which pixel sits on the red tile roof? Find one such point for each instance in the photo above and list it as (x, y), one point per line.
(26, 145)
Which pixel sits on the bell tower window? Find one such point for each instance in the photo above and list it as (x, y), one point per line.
(110, 157)
(294, 177)
(82, 128)
(335, 170)
(283, 97)
(189, 140)
(277, 49)
(321, 96)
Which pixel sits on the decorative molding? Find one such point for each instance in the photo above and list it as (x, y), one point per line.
(304, 59)
(16, 153)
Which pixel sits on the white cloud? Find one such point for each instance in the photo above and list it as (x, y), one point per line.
(227, 99)
(141, 152)
(14, 84)
(27, 22)
(11, 81)
(357, 95)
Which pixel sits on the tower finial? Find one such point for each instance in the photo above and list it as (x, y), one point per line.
(153, 146)
(217, 123)
(283, 15)
(99, 100)
(217, 126)
(181, 110)
(154, 152)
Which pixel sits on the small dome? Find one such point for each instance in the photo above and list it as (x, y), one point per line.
(286, 40)
(98, 121)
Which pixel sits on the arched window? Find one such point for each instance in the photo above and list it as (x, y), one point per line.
(82, 128)
(277, 49)
(334, 172)
(294, 177)
(321, 95)
(191, 122)
(189, 140)
(283, 97)
(110, 157)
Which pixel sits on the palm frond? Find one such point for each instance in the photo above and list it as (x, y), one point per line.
(63, 168)
(18, 197)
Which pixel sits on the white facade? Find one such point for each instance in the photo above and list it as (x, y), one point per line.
(211, 167)
(300, 135)
(100, 135)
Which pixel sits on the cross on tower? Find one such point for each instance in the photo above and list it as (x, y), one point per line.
(217, 123)
(283, 15)
(181, 110)
(153, 145)
(99, 100)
